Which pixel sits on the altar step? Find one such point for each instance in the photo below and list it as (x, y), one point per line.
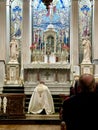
(34, 119)
(56, 98)
(13, 89)
(20, 90)
(55, 88)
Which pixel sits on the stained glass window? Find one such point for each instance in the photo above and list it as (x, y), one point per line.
(56, 17)
(85, 23)
(16, 18)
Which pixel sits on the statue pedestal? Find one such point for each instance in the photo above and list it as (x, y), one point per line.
(12, 75)
(87, 68)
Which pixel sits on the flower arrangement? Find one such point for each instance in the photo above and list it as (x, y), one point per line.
(65, 47)
(33, 46)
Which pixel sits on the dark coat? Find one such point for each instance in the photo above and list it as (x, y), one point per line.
(80, 112)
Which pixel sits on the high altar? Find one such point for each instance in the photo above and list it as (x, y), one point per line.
(47, 43)
(49, 64)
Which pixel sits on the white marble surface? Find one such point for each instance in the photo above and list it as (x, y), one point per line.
(2, 73)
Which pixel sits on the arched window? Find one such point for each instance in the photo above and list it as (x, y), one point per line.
(56, 15)
(85, 23)
(16, 19)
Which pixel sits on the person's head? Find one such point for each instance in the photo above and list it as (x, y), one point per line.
(42, 82)
(87, 83)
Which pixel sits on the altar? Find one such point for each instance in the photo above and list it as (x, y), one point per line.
(55, 76)
(49, 63)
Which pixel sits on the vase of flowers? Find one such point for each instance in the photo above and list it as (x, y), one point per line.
(33, 46)
(65, 47)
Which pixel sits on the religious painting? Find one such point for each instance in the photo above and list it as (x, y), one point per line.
(85, 24)
(16, 18)
(51, 26)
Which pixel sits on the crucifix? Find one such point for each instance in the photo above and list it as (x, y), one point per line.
(47, 75)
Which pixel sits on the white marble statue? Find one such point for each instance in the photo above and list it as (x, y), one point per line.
(13, 50)
(52, 58)
(86, 51)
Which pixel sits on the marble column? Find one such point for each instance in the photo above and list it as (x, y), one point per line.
(3, 42)
(27, 32)
(95, 31)
(74, 51)
(95, 37)
(26, 35)
(4, 22)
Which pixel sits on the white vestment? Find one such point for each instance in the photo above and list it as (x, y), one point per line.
(41, 99)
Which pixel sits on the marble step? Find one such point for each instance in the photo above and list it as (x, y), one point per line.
(56, 98)
(13, 89)
(42, 117)
(34, 119)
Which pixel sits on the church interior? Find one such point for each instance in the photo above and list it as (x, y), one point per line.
(50, 41)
